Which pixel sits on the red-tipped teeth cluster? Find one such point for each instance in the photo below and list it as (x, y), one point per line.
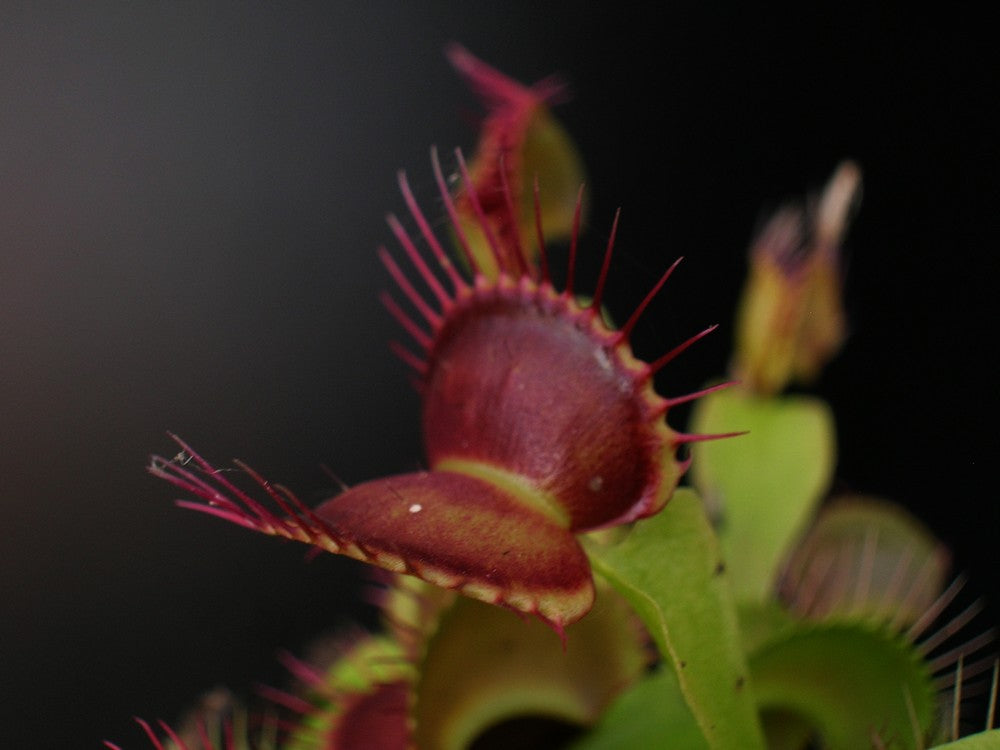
(175, 742)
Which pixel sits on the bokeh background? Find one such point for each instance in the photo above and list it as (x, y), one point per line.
(190, 197)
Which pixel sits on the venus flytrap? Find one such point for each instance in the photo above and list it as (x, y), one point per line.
(539, 421)
(734, 614)
(521, 145)
(833, 602)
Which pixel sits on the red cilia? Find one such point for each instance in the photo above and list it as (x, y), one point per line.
(539, 424)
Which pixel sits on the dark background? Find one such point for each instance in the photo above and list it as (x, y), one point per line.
(190, 198)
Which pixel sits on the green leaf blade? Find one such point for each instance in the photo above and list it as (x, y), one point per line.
(767, 483)
(670, 570)
(989, 740)
(644, 715)
(850, 681)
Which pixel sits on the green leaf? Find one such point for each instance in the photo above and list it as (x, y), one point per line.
(670, 570)
(983, 741)
(485, 665)
(865, 558)
(851, 682)
(766, 484)
(762, 623)
(644, 716)
(519, 141)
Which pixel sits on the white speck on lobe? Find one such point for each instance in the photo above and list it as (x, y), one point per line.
(416, 508)
(603, 360)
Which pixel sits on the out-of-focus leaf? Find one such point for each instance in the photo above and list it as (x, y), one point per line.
(485, 665)
(865, 558)
(791, 317)
(670, 569)
(762, 623)
(651, 714)
(982, 741)
(787, 731)
(551, 156)
(851, 682)
(519, 141)
(764, 485)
